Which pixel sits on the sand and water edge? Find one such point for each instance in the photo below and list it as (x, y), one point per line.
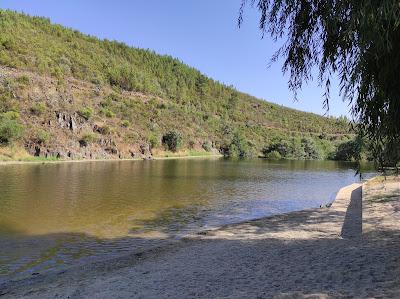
(350, 249)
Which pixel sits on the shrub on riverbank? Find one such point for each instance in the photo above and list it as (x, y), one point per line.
(172, 140)
(348, 151)
(295, 148)
(207, 146)
(237, 148)
(274, 155)
(154, 140)
(42, 136)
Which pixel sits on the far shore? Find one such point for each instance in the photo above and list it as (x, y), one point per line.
(44, 161)
(152, 158)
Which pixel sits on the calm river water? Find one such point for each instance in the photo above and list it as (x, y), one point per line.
(58, 215)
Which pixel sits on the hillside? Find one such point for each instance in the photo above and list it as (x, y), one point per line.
(67, 95)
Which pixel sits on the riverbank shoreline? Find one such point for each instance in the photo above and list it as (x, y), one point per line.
(16, 162)
(347, 250)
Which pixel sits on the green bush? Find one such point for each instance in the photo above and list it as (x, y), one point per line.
(131, 137)
(38, 108)
(283, 147)
(7, 103)
(10, 127)
(311, 151)
(107, 112)
(348, 151)
(295, 148)
(154, 141)
(172, 140)
(13, 115)
(274, 155)
(87, 139)
(238, 147)
(42, 136)
(207, 146)
(125, 123)
(86, 112)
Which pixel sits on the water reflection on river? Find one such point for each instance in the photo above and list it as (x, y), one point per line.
(55, 215)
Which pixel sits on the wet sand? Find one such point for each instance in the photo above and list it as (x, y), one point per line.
(351, 249)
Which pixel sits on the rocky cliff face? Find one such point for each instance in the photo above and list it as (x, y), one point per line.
(54, 126)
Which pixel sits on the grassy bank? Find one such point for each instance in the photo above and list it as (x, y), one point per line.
(15, 155)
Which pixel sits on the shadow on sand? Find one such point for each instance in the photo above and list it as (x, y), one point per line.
(352, 225)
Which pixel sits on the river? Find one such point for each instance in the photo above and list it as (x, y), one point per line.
(53, 216)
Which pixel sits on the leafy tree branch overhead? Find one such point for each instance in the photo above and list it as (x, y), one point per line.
(357, 41)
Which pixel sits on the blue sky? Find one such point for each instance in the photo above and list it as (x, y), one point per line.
(203, 34)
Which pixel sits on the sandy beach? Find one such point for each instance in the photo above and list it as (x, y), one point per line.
(348, 250)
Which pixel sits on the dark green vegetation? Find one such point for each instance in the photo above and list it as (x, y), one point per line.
(295, 148)
(97, 98)
(359, 41)
(10, 127)
(172, 140)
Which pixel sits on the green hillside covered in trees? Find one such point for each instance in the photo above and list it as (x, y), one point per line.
(64, 94)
